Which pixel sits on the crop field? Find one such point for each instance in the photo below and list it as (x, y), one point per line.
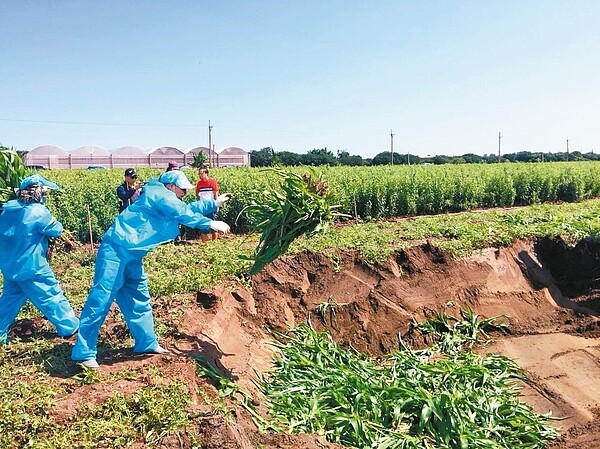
(364, 193)
(453, 307)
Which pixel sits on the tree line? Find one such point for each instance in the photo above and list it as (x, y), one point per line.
(267, 157)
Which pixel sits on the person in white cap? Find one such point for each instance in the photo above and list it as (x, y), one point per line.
(25, 227)
(119, 274)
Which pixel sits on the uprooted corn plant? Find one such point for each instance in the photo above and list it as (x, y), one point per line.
(444, 397)
(12, 172)
(304, 208)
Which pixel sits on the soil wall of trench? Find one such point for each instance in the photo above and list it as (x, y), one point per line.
(547, 290)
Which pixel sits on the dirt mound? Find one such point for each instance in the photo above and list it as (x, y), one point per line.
(548, 291)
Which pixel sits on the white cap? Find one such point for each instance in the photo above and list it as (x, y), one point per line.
(176, 177)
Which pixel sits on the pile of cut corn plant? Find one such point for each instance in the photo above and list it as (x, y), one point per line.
(413, 399)
(303, 208)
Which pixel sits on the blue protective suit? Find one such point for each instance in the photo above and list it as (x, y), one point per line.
(119, 274)
(24, 232)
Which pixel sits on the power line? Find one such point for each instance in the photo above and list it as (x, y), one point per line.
(57, 122)
(292, 132)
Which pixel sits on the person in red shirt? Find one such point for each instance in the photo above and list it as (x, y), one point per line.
(207, 188)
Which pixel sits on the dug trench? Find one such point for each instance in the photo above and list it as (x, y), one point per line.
(546, 290)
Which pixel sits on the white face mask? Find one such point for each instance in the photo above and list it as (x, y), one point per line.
(33, 194)
(44, 194)
(178, 191)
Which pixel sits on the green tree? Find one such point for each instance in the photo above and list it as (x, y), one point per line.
(344, 158)
(288, 158)
(356, 161)
(199, 160)
(576, 156)
(441, 159)
(385, 158)
(471, 158)
(321, 156)
(262, 158)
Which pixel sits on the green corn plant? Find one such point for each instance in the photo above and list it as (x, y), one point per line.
(228, 388)
(328, 307)
(12, 171)
(408, 399)
(453, 334)
(303, 208)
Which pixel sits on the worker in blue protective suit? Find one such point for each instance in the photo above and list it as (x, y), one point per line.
(119, 274)
(25, 227)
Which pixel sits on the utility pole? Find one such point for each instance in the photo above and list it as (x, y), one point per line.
(209, 136)
(499, 138)
(408, 158)
(392, 147)
(567, 149)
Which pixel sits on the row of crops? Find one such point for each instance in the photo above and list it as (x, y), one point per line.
(88, 201)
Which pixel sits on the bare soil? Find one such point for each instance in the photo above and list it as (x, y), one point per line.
(549, 291)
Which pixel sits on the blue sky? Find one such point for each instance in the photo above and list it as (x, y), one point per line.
(445, 76)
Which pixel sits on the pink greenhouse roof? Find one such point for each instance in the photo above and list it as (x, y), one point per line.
(232, 151)
(90, 150)
(166, 151)
(129, 151)
(48, 150)
(196, 150)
